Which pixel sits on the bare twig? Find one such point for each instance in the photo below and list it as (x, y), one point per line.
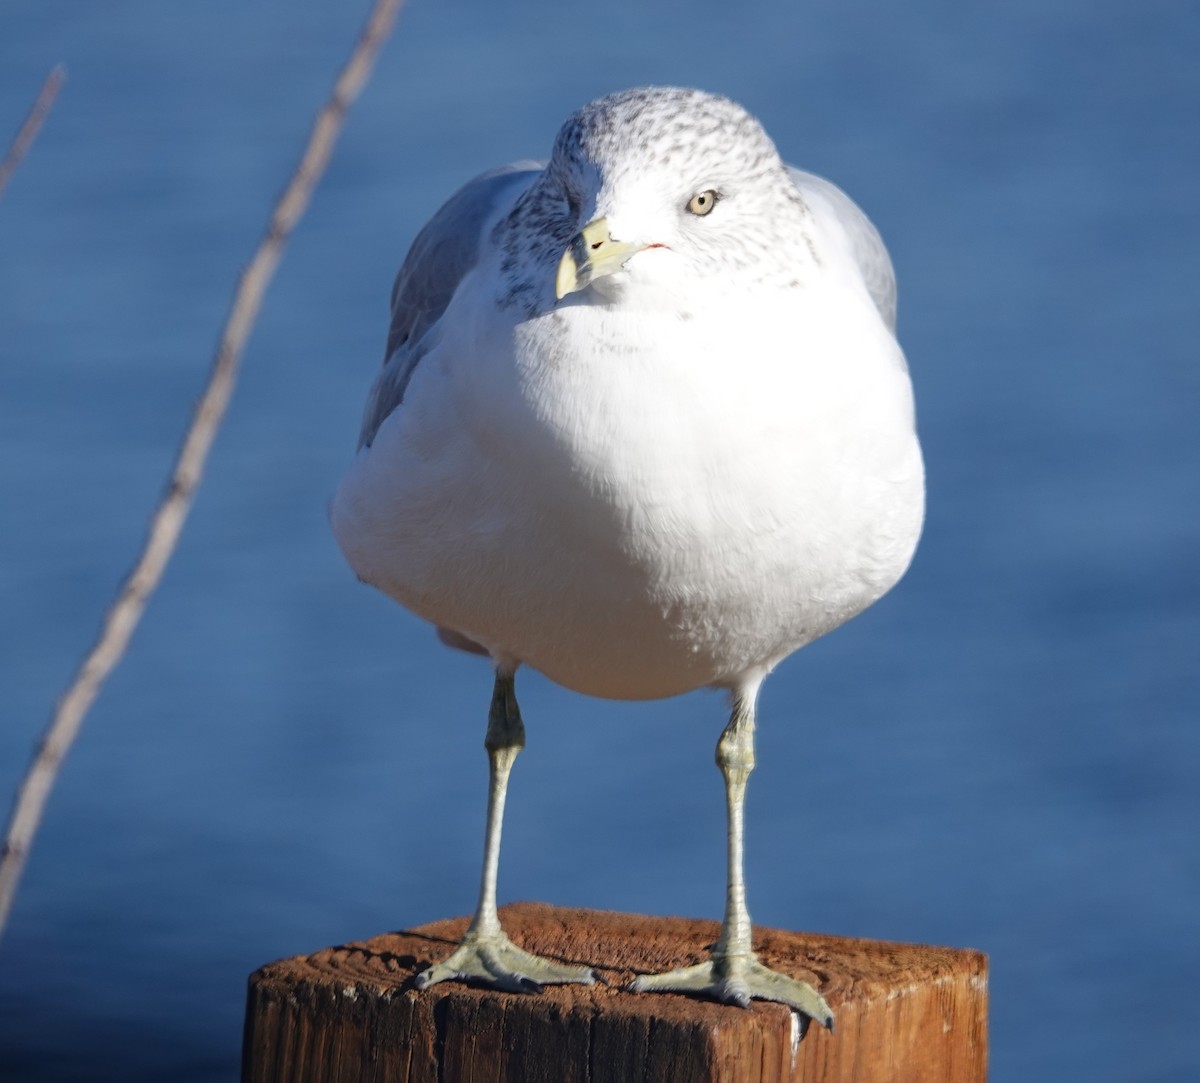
(168, 518)
(27, 133)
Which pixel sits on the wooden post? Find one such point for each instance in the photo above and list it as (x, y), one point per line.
(904, 1013)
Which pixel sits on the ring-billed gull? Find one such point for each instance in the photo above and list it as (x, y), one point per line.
(643, 424)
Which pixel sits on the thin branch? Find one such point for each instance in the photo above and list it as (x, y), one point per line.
(27, 133)
(168, 518)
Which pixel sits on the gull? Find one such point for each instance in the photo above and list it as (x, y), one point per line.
(643, 425)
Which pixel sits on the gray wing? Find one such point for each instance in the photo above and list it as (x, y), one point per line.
(828, 201)
(442, 254)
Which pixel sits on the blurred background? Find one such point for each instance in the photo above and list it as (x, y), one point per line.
(1002, 754)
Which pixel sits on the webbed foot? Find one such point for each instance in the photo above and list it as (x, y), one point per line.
(492, 959)
(738, 979)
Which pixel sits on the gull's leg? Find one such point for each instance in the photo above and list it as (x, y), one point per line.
(486, 955)
(733, 974)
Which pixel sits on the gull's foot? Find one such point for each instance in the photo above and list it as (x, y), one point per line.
(737, 979)
(494, 960)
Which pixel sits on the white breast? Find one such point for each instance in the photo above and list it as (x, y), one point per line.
(638, 503)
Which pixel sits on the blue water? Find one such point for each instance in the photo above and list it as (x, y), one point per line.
(1003, 753)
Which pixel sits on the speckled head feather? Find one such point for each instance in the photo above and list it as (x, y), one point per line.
(656, 147)
(664, 128)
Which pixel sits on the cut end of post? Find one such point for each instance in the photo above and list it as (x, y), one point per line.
(906, 1013)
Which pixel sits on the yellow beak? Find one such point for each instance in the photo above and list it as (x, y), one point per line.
(591, 255)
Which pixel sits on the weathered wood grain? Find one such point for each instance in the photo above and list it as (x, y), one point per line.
(905, 1013)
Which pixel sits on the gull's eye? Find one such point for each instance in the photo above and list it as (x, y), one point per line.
(702, 203)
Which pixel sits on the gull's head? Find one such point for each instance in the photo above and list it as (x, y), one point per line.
(665, 186)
